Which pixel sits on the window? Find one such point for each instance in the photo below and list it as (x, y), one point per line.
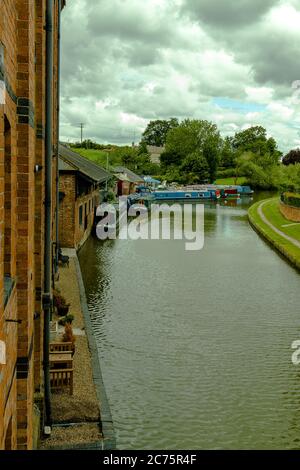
(80, 215)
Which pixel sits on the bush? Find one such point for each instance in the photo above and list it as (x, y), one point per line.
(110, 197)
(66, 319)
(291, 199)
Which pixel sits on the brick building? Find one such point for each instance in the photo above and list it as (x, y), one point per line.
(80, 185)
(24, 28)
(127, 181)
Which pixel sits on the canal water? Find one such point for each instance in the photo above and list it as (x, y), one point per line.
(195, 347)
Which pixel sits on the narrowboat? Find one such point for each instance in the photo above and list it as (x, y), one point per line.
(229, 193)
(210, 194)
(245, 190)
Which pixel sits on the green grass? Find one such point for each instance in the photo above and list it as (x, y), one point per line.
(100, 157)
(232, 181)
(272, 213)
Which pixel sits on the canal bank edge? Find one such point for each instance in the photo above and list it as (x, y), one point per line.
(279, 242)
(109, 439)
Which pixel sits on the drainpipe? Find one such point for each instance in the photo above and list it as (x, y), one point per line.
(47, 303)
(58, 125)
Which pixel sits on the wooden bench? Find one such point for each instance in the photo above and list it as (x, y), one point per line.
(60, 347)
(61, 379)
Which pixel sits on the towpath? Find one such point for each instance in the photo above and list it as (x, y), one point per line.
(275, 229)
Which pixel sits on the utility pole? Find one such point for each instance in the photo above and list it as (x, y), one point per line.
(133, 142)
(81, 124)
(106, 184)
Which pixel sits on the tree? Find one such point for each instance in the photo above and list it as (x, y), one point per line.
(251, 139)
(128, 156)
(142, 148)
(292, 157)
(170, 158)
(195, 166)
(255, 175)
(212, 155)
(156, 131)
(228, 155)
(173, 174)
(194, 136)
(254, 139)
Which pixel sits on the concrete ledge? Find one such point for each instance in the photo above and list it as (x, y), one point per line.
(109, 440)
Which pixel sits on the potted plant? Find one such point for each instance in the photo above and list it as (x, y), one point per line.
(61, 305)
(69, 337)
(66, 319)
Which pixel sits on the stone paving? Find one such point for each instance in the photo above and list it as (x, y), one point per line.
(83, 406)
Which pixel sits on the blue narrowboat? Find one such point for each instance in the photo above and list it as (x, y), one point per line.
(245, 190)
(210, 194)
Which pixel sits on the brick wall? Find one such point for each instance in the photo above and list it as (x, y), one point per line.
(22, 211)
(72, 233)
(67, 182)
(87, 202)
(289, 212)
(8, 331)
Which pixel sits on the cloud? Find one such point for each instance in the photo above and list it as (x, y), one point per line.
(125, 62)
(229, 13)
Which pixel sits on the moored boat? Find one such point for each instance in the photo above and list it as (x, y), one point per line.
(230, 193)
(245, 190)
(210, 194)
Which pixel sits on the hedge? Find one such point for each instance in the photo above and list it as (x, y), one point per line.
(291, 199)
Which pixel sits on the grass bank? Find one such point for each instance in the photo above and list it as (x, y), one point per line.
(281, 233)
(231, 181)
(100, 156)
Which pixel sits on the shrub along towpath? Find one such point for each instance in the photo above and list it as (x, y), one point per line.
(281, 233)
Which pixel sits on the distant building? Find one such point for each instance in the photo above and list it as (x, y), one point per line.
(127, 180)
(81, 183)
(155, 153)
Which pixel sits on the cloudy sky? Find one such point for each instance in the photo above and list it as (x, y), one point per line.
(125, 62)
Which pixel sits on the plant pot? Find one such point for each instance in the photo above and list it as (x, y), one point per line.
(63, 310)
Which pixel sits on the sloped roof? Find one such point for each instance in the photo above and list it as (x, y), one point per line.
(72, 161)
(122, 177)
(65, 166)
(133, 177)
